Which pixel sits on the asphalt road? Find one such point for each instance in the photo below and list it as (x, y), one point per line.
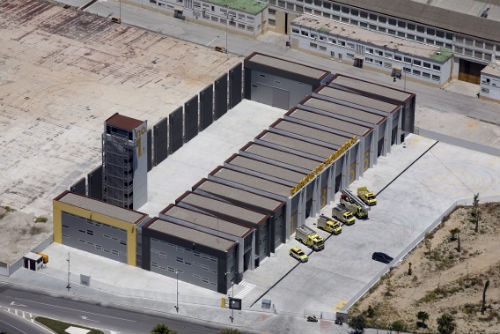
(82, 313)
(12, 324)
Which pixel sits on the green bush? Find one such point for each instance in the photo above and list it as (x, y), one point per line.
(162, 329)
(40, 219)
(60, 327)
(399, 326)
(229, 331)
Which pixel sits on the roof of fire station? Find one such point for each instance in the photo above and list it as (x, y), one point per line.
(190, 234)
(100, 207)
(123, 122)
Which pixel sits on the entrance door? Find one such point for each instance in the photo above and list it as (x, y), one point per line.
(470, 71)
(286, 23)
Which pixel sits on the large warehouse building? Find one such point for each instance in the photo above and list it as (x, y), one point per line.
(233, 219)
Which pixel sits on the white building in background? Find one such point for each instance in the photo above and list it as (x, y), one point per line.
(368, 49)
(474, 40)
(490, 82)
(240, 16)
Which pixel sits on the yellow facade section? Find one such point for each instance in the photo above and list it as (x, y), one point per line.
(59, 207)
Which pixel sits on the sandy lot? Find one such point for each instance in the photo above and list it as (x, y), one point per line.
(444, 280)
(62, 73)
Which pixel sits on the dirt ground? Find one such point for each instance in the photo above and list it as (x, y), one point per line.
(444, 280)
(21, 232)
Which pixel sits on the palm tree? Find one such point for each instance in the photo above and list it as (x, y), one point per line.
(162, 329)
(446, 324)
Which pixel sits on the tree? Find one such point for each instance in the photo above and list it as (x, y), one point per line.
(358, 323)
(483, 307)
(446, 324)
(410, 271)
(423, 316)
(162, 329)
(454, 233)
(475, 212)
(229, 331)
(399, 326)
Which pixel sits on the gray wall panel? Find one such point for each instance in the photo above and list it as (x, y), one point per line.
(94, 179)
(235, 86)
(79, 187)
(175, 127)
(191, 119)
(220, 96)
(94, 237)
(206, 107)
(160, 141)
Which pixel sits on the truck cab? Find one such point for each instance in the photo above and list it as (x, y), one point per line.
(329, 225)
(367, 196)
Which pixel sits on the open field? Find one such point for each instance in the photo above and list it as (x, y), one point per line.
(444, 280)
(62, 73)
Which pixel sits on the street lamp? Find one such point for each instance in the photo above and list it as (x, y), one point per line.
(177, 303)
(231, 317)
(68, 286)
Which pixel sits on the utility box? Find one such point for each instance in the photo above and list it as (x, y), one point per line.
(32, 261)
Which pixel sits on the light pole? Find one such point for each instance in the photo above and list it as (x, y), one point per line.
(69, 273)
(177, 302)
(227, 19)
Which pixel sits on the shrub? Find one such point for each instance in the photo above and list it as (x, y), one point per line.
(399, 326)
(40, 219)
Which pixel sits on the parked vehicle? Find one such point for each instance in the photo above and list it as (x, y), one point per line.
(297, 253)
(367, 196)
(354, 204)
(382, 257)
(309, 238)
(342, 214)
(312, 318)
(329, 224)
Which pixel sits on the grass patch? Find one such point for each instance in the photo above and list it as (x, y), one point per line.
(59, 327)
(41, 219)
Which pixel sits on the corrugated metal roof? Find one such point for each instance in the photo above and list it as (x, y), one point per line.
(285, 157)
(330, 122)
(103, 208)
(240, 195)
(204, 202)
(307, 131)
(267, 169)
(297, 144)
(253, 181)
(208, 221)
(358, 99)
(371, 88)
(339, 109)
(492, 69)
(288, 66)
(192, 235)
(433, 16)
(123, 122)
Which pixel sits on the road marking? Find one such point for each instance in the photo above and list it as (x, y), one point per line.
(339, 305)
(87, 319)
(212, 41)
(247, 287)
(16, 304)
(65, 308)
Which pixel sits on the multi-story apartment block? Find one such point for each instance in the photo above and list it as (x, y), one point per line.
(363, 48)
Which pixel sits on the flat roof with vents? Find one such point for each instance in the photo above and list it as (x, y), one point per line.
(296, 144)
(225, 208)
(266, 168)
(339, 109)
(281, 156)
(307, 131)
(361, 100)
(239, 195)
(371, 88)
(329, 121)
(252, 181)
(190, 234)
(206, 220)
(286, 66)
(100, 207)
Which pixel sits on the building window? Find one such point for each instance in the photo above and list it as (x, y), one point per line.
(345, 20)
(468, 52)
(436, 67)
(391, 32)
(380, 53)
(299, 9)
(327, 5)
(313, 45)
(322, 48)
(350, 55)
(416, 72)
(426, 75)
(345, 10)
(431, 32)
(417, 62)
(241, 26)
(429, 41)
(342, 43)
(363, 14)
(372, 27)
(317, 12)
(387, 65)
(179, 259)
(335, 17)
(398, 58)
(392, 22)
(354, 12)
(479, 44)
(406, 69)
(271, 11)
(420, 28)
(308, 10)
(272, 22)
(440, 33)
(410, 36)
(295, 30)
(401, 24)
(401, 34)
(468, 41)
(488, 46)
(487, 56)
(407, 60)
(331, 40)
(382, 19)
(215, 18)
(478, 54)
(289, 5)
(369, 50)
(350, 45)
(388, 55)
(281, 3)
(332, 54)
(317, 3)
(427, 65)
(439, 43)
(382, 29)
(436, 78)
(335, 7)
(363, 24)
(325, 14)
(420, 38)
(410, 26)
(354, 22)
